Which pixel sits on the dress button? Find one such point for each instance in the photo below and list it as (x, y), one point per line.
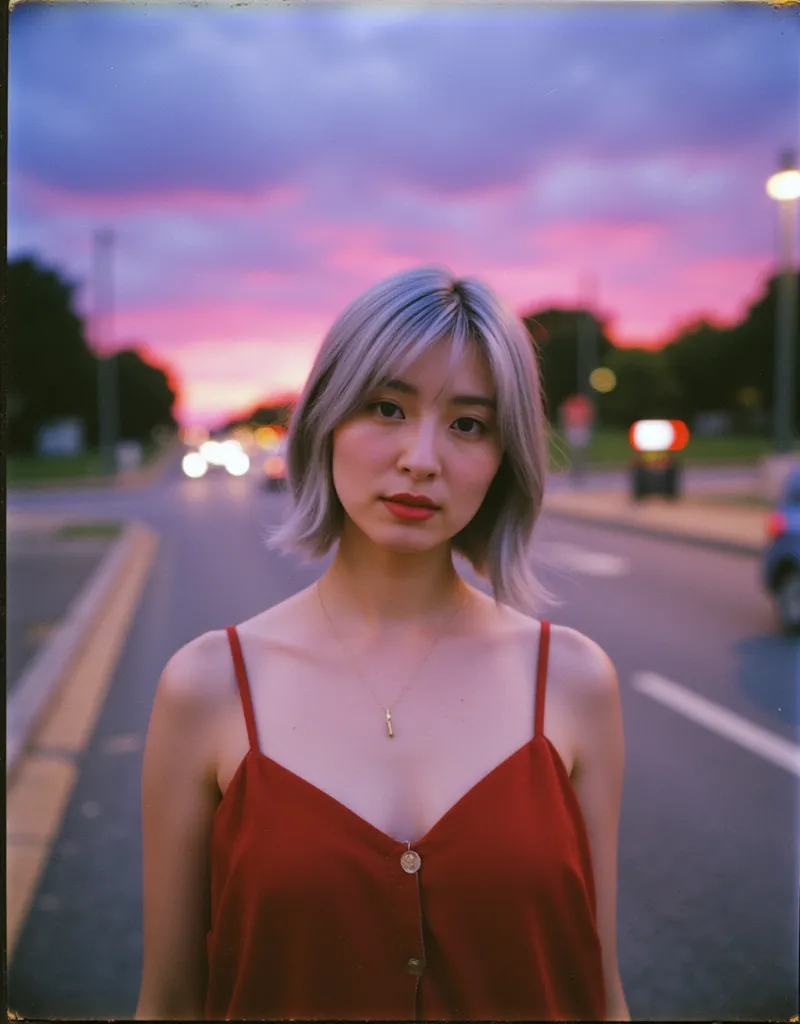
(415, 966)
(410, 861)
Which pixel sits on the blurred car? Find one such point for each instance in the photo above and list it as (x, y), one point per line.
(655, 468)
(655, 473)
(781, 558)
(274, 471)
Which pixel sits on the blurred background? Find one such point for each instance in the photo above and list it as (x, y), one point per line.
(196, 192)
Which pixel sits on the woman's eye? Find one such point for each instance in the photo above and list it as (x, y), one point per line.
(468, 425)
(385, 409)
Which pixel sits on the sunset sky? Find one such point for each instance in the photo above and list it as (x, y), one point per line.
(260, 165)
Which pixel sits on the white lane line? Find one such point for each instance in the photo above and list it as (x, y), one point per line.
(720, 720)
(579, 559)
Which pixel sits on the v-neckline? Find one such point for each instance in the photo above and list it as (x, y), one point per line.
(373, 830)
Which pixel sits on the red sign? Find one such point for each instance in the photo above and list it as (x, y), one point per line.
(577, 411)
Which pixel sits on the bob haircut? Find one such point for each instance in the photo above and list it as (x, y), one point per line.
(375, 338)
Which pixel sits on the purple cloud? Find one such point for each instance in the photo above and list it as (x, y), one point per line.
(139, 98)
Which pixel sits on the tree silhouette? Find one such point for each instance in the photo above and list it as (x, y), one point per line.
(51, 370)
(146, 398)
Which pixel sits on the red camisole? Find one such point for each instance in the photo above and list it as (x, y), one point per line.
(317, 914)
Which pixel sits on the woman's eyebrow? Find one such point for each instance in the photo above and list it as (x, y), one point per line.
(405, 388)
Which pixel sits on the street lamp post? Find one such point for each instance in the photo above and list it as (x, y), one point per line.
(107, 400)
(784, 186)
(587, 363)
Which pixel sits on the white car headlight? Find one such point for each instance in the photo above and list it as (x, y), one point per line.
(194, 465)
(237, 463)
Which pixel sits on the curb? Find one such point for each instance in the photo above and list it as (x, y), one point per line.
(727, 546)
(51, 665)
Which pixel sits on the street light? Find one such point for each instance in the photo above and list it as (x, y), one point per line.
(784, 187)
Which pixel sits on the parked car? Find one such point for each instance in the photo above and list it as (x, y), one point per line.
(655, 468)
(655, 473)
(781, 561)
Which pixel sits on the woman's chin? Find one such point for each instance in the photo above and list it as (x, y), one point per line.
(402, 539)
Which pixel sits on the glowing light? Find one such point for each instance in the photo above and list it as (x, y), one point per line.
(267, 437)
(749, 397)
(230, 449)
(237, 463)
(659, 435)
(194, 465)
(784, 185)
(603, 380)
(274, 466)
(212, 453)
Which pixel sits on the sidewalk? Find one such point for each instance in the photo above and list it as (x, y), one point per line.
(60, 690)
(61, 573)
(698, 518)
(48, 563)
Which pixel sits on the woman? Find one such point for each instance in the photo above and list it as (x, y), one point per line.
(358, 804)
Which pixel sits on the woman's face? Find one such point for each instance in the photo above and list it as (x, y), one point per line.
(420, 435)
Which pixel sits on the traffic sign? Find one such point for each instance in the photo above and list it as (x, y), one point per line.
(577, 411)
(577, 415)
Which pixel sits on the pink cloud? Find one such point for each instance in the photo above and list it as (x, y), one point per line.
(50, 199)
(718, 290)
(598, 243)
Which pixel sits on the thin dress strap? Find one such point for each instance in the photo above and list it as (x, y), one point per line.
(244, 686)
(541, 677)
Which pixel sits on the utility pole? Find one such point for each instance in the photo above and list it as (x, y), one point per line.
(587, 339)
(587, 362)
(785, 318)
(107, 400)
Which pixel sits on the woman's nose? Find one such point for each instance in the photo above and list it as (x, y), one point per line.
(420, 454)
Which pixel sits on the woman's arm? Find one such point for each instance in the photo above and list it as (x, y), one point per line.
(597, 778)
(179, 798)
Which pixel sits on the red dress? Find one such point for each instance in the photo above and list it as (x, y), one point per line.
(318, 915)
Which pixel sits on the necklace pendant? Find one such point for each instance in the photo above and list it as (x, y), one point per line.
(389, 728)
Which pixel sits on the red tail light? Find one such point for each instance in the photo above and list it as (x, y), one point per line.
(776, 525)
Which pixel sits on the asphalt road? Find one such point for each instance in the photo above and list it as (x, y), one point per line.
(44, 572)
(708, 900)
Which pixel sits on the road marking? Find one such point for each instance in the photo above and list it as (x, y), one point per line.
(583, 560)
(720, 720)
(44, 782)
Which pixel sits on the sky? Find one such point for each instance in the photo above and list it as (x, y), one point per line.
(260, 165)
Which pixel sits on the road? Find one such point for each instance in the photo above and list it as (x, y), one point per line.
(708, 900)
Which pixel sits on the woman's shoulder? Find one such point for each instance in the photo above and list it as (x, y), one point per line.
(202, 671)
(576, 663)
(583, 668)
(200, 674)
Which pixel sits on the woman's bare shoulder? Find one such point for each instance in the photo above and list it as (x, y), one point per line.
(582, 666)
(200, 675)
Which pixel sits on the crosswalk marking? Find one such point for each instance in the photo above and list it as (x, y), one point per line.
(720, 720)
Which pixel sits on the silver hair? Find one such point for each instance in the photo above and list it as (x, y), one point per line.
(378, 335)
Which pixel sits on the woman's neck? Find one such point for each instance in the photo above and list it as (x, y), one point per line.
(384, 593)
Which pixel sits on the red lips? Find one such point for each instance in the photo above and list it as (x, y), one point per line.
(416, 500)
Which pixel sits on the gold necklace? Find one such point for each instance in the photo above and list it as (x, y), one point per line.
(387, 711)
